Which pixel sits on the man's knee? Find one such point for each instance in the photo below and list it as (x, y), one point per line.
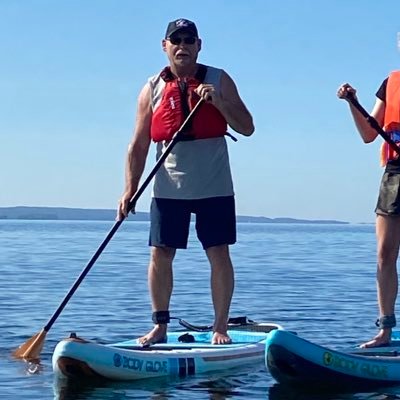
(387, 255)
(162, 254)
(218, 253)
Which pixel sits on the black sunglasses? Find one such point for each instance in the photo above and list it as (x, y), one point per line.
(186, 40)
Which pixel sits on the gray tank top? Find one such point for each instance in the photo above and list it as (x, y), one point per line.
(195, 169)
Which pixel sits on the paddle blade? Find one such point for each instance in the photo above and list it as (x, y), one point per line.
(31, 349)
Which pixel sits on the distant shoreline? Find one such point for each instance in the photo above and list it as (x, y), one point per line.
(85, 214)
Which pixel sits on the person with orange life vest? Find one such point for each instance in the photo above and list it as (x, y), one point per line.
(194, 178)
(387, 113)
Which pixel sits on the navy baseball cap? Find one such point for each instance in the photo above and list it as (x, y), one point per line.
(181, 24)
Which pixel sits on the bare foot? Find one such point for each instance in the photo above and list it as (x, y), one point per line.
(381, 339)
(221, 338)
(157, 335)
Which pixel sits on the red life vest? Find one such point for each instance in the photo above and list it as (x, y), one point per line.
(391, 124)
(178, 99)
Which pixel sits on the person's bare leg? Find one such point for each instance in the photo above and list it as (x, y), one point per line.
(388, 239)
(160, 281)
(222, 283)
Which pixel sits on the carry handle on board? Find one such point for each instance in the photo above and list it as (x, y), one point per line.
(30, 350)
(232, 322)
(237, 323)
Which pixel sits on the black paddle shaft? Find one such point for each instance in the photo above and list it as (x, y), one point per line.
(175, 139)
(373, 122)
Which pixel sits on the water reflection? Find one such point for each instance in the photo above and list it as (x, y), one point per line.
(282, 392)
(222, 387)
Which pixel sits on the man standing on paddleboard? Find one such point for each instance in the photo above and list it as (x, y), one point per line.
(386, 114)
(195, 176)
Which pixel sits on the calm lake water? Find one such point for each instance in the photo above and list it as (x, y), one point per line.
(317, 280)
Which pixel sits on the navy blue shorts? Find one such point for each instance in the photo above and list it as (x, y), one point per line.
(170, 221)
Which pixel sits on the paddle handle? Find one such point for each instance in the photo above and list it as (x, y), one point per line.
(175, 139)
(373, 122)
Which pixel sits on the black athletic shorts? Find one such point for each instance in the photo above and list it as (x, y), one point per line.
(170, 221)
(389, 195)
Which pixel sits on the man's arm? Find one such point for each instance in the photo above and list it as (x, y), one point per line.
(229, 104)
(137, 150)
(233, 108)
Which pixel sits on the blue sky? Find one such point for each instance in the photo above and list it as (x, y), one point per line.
(71, 72)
